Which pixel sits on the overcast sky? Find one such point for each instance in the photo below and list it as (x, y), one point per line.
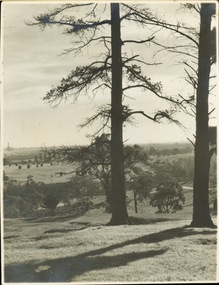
(32, 65)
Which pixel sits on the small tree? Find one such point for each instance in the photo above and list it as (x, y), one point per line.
(50, 202)
(22, 200)
(95, 161)
(141, 183)
(82, 186)
(168, 198)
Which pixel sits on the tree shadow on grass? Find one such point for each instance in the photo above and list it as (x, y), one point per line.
(64, 218)
(68, 217)
(64, 269)
(143, 221)
(50, 219)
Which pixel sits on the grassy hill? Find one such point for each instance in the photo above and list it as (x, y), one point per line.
(62, 248)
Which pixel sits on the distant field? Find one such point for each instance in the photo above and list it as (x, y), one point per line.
(46, 173)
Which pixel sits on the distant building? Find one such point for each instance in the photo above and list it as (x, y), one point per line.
(9, 148)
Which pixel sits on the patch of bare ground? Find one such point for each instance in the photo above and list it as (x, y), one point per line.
(57, 249)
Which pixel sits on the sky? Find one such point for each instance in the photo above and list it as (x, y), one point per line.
(32, 64)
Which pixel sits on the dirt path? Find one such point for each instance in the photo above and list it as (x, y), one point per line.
(73, 250)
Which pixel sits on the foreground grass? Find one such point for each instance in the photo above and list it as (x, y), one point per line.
(62, 249)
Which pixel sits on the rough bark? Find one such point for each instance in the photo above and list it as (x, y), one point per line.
(119, 209)
(201, 211)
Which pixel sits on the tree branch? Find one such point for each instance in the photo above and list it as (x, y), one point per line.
(148, 19)
(138, 42)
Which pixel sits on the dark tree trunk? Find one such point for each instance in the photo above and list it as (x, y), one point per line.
(135, 201)
(107, 189)
(201, 210)
(119, 210)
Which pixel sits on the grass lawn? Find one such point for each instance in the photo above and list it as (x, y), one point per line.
(158, 248)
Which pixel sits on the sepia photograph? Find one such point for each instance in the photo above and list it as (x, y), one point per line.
(109, 142)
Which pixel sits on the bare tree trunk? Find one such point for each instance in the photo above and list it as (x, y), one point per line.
(201, 211)
(135, 201)
(119, 210)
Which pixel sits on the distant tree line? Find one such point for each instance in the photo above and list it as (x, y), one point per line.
(28, 160)
(169, 151)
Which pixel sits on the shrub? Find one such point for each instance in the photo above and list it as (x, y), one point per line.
(50, 202)
(82, 206)
(12, 207)
(84, 186)
(179, 170)
(142, 182)
(21, 200)
(168, 197)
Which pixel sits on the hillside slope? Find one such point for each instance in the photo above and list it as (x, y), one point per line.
(83, 249)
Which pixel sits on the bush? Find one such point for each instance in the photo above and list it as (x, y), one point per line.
(21, 200)
(179, 170)
(142, 182)
(84, 186)
(13, 206)
(50, 202)
(168, 197)
(26, 199)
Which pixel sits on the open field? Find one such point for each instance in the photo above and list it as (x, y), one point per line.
(46, 173)
(51, 173)
(64, 248)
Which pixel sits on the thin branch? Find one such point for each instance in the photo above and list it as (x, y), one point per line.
(141, 113)
(192, 68)
(138, 42)
(211, 111)
(147, 19)
(82, 44)
(191, 141)
(174, 50)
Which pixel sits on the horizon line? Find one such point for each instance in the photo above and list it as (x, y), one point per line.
(142, 143)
